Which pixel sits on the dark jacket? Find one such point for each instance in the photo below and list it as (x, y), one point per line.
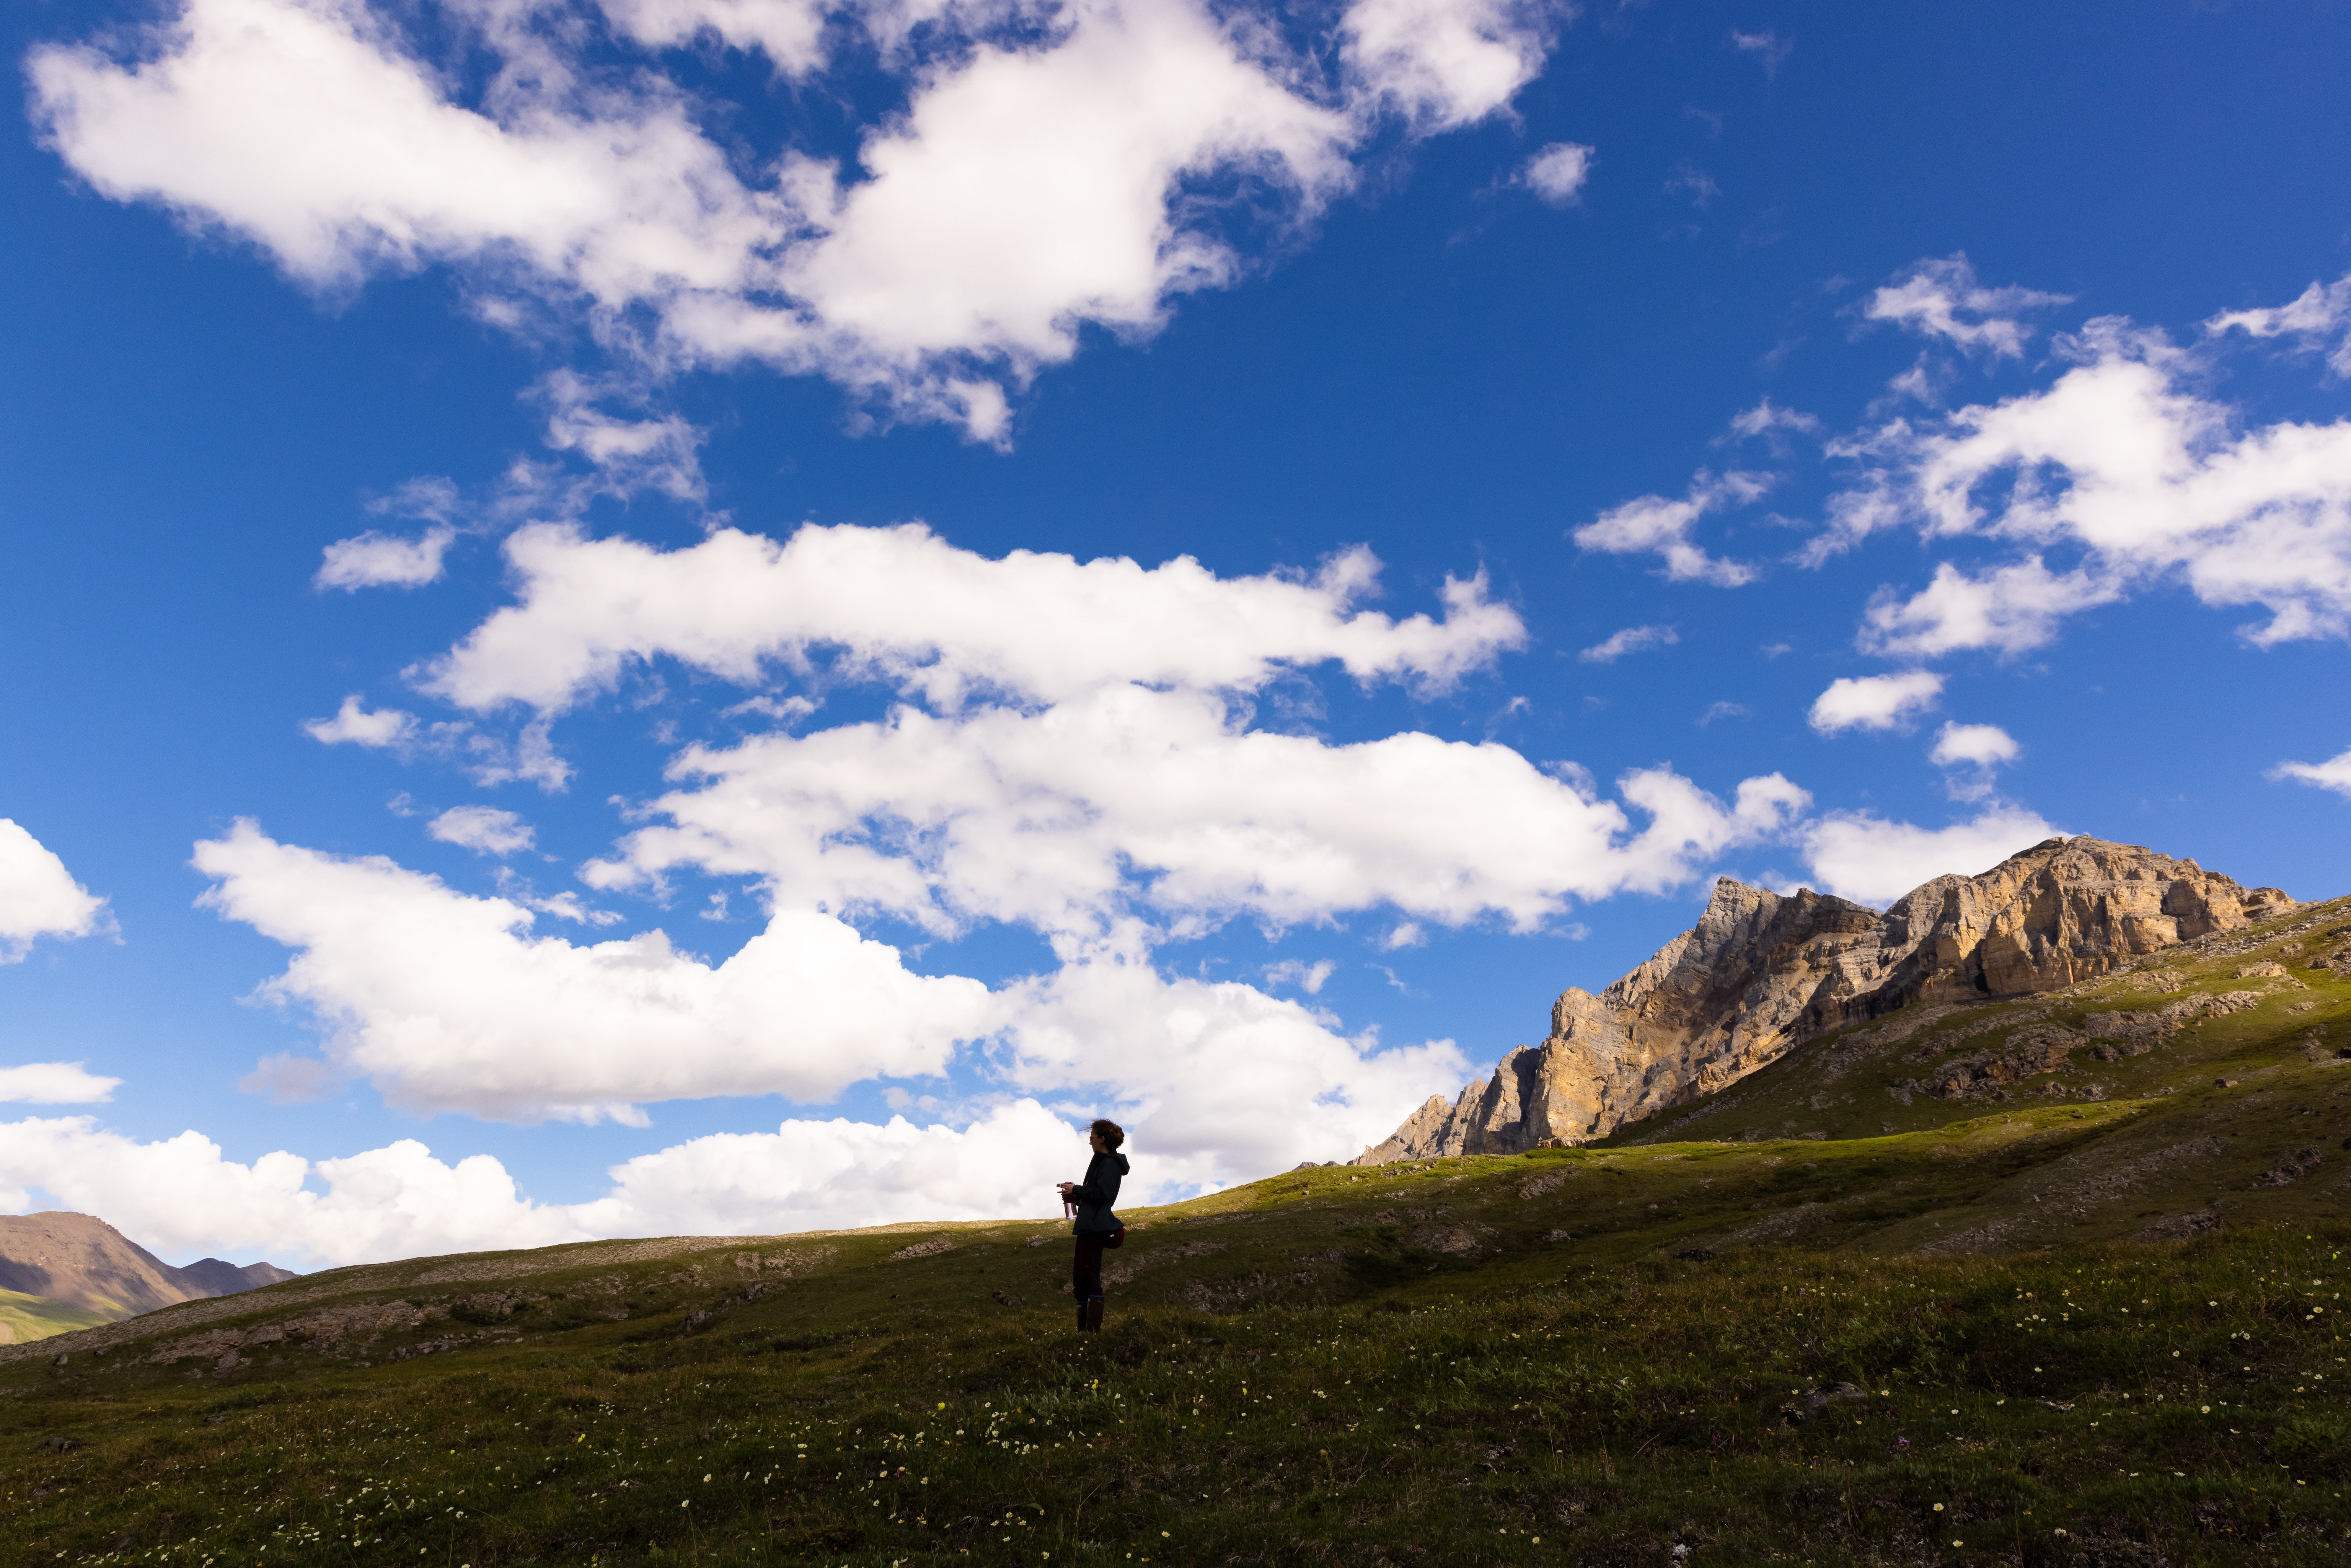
(1094, 1194)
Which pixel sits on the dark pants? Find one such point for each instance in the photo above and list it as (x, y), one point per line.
(1085, 1272)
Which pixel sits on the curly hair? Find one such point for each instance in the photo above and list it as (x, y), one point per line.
(1112, 1132)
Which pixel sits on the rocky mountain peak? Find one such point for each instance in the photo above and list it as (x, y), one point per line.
(84, 1262)
(1762, 972)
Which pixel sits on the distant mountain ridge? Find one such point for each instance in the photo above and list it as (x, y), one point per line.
(1760, 973)
(87, 1265)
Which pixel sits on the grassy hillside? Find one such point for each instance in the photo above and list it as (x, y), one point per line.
(2046, 1329)
(29, 1318)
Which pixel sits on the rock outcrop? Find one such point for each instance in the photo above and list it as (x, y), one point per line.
(1760, 973)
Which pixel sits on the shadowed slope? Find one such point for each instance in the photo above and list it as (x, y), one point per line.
(85, 1270)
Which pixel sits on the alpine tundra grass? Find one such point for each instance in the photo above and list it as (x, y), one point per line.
(2095, 1326)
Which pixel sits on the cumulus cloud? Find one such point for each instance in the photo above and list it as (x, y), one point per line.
(1220, 1081)
(1863, 857)
(2011, 608)
(1081, 756)
(38, 898)
(1444, 63)
(1875, 702)
(1044, 173)
(1631, 640)
(1068, 820)
(54, 1084)
(1557, 174)
(1939, 298)
(1072, 749)
(1983, 744)
(485, 830)
(447, 1001)
(1654, 523)
(2135, 473)
(1974, 754)
(372, 559)
(182, 1196)
(354, 724)
(902, 605)
(2335, 773)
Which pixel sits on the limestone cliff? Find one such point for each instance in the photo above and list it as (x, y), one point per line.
(1760, 973)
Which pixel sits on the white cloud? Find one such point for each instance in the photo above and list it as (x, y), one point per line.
(1631, 640)
(1940, 298)
(1768, 47)
(182, 1197)
(1307, 977)
(1073, 752)
(1220, 1082)
(1654, 523)
(1768, 419)
(904, 606)
(1974, 754)
(1858, 856)
(38, 898)
(385, 728)
(1408, 935)
(790, 33)
(54, 1084)
(2126, 463)
(1558, 173)
(2335, 773)
(445, 1001)
(2320, 312)
(1046, 170)
(380, 561)
(2013, 609)
(1983, 744)
(485, 830)
(487, 759)
(659, 452)
(1875, 702)
(1069, 820)
(1445, 63)
(567, 906)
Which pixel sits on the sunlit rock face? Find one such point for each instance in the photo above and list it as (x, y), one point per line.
(1760, 973)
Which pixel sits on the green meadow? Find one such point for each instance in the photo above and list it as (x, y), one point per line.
(2097, 1325)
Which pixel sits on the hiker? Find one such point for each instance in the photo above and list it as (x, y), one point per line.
(1088, 1202)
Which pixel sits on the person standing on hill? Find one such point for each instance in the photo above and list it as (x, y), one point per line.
(1096, 1226)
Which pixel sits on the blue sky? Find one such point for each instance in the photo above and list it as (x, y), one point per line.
(572, 668)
